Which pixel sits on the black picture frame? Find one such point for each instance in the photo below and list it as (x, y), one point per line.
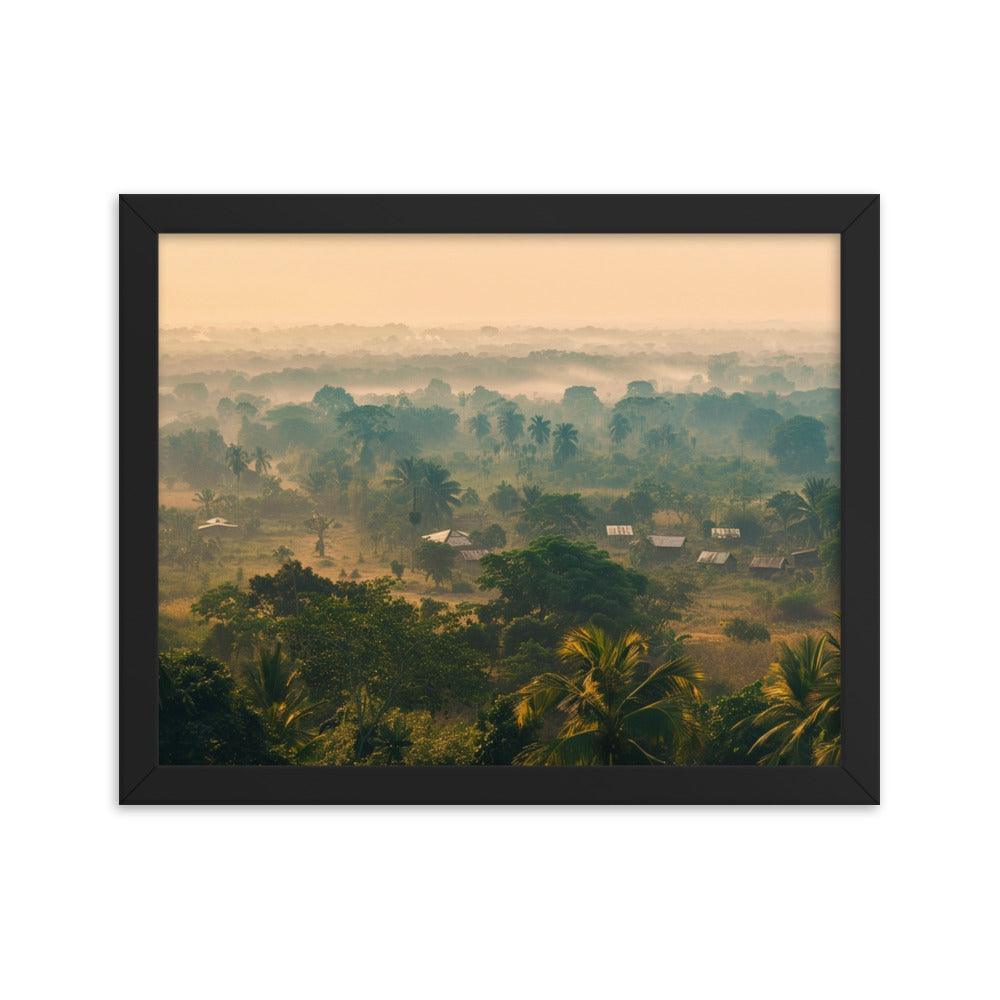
(143, 780)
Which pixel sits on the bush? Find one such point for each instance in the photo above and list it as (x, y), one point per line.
(397, 569)
(743, 631)
(462, 587)
(798, 605)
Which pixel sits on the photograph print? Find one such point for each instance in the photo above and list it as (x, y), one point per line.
(519, 500)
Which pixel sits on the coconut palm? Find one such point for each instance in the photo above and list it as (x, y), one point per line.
(275, 687)
(619, 708)
(510, 423)
(619, 428)
(237, 461)
(564, 443)
(530, 494)
(802, 720)
(539, 430)
(261, 461)
(440, 492)
(206, 499)
(479, 425)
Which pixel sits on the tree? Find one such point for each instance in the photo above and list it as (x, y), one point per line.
(759, 425)
(479, 425)
(237, 461)
(437, 560)
(319, 525)
(499, 736)
(470, 498)
(799, 444)
(555, 513)
(277, 692)
(281, 594)
(801, 724)
(729, 728)
(261, 461)
(618, 707)
(539, 430)
(574, 581)
(206, 500)
(493, 537)
(365, 653)
(504, 498)
(440, 492)
(282, 553)
(397, 569)
(510, 423)
(333, 400)
(203, 720)
(619, 428)
(564, 443)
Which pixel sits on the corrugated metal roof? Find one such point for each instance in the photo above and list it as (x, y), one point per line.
(473, 555)
(768, 562)
(618, 529)
(716, 558)
(459, 539)
(805, 552)
(725, 532)
(668, 541)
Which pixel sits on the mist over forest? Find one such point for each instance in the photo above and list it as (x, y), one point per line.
(398, 546)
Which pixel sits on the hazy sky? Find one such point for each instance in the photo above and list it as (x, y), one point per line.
(560, 281)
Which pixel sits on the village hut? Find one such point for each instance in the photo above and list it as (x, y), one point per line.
(472, 556)
(217, 527)
(725, 559)
(805, 558)
(729, 534)
(666, 546)
(768, 565)
(450, 536)
(619, 534)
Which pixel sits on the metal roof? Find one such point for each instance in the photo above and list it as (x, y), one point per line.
(725, 532)
(619, 529)
(459, 539)
(668, 541)
(216, 522)
(768, 562)
(473, 555)
(716, 558)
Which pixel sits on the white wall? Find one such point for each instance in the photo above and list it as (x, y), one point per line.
(729, 96)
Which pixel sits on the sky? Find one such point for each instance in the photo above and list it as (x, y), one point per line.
(566, 281)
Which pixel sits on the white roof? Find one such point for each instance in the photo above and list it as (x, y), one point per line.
(216, 522)
(459, 539)
(725, 532)
(619, 529)
(668, 541)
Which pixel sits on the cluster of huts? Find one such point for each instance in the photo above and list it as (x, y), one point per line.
(669, 546)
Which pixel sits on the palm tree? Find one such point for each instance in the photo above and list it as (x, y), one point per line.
(206, 500)
(237, 461)
(408, 475)
(620, 708)
(810, 506)
(440, 492)
(530, 494)
(261, 461)
(511, 425)
(276, 688)
(320, 525)
(619, 428)
(479, 425)
(564, 443)
(802, 720)
(539, 430)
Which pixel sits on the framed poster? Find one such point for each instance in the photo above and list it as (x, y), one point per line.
(499, 499)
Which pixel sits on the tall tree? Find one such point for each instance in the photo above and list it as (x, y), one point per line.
(539, 430)
(564, 443)
(619, 428)
(261, 461)
(237, 461)
(479, 425)
(618, 707)
(511, 425)
(319, 525)
(801, 724)
(206, 499)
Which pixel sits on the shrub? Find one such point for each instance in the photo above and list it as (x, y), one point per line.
(462, 587)
(743, 631)
(397, 569)
(798, 605)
